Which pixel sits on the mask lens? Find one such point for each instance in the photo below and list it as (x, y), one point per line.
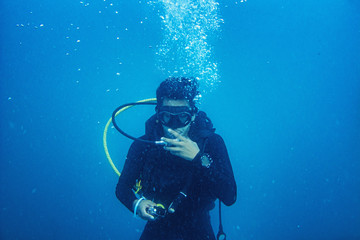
(165, 117)
(184, 118)
(174, 119)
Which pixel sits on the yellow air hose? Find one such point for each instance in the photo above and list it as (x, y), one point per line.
(106, 130)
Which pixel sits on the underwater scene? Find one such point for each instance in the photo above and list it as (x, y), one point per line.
(279, 79)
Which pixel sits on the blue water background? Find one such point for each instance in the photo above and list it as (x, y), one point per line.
(288, 108)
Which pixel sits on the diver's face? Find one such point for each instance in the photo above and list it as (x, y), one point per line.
(177, 103)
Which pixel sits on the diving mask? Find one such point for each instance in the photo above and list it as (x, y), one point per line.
(175, 117)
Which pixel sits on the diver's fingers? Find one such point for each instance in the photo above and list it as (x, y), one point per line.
(149, 204)
(145, 215)
(170, 141)
(145, 204)
(177, 135)
(143, 210)
(173, 149)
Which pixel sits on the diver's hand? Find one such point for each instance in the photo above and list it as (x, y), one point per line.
(141, 210)
(181, 146)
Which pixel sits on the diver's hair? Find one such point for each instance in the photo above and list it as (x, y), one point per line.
(178, 88)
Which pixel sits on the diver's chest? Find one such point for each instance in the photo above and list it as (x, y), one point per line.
(168, 170)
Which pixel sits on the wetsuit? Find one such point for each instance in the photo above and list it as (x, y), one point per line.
(164, 175)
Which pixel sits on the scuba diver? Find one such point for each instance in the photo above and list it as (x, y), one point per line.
(181, 178)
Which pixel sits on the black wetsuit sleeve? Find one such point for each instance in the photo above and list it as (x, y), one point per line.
(130, 172)
(219, 175)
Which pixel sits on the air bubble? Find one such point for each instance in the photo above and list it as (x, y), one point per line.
(185, 50)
